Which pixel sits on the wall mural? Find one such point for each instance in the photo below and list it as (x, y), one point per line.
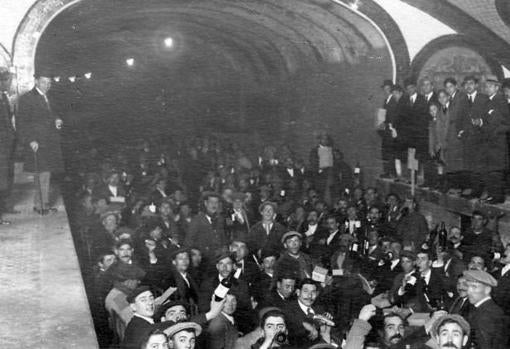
(454, 61)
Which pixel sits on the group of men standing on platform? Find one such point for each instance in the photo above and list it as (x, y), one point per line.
(459, 134)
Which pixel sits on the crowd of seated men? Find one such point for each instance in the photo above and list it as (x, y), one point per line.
(206, 245)
(459, 133)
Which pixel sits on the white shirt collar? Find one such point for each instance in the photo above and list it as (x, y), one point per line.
(304, 308)
(113, 189)
(40, 92)
(429, 95)
(394, 263)
(148, 319)
(388, 99)
(229, 318)
(331, 236)
(480, 302)
(426, 276)
(473, 95)
(505, 269)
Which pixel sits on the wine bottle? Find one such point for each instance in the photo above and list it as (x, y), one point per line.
(222, 289)
(443, 236)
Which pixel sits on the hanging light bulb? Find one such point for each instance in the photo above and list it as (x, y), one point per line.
(72, 78)
(56, 79)
(130, 62)
(87, 75)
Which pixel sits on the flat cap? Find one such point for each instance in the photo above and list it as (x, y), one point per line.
(5, 74)
(267, 203)
(481, 277)
(290, 234)
(492, 78)
(322, 346)
(408, 254)
(268, 252)
(181, 326)
(450, 317)
(179, 251)
(222, 255)
(170, 304)
(238, 196)
(136, 292)
(387, 82)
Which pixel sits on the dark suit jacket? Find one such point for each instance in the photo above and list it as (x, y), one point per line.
(490, 326)
(36, 122)
(450, 275)
(188, 293)
(298, 335)
(135, 332)
(461, 306)
(221, 334)
(7, 135)
(472, 136)
(103, 192)
(501, 294)
(320, 249)
(258, 238)
(409, 299)
(414, 127)
(207, 237)
(494, 128)
(209, 285)
(430, 295)
(273, 299)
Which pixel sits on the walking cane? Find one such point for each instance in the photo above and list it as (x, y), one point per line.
(38, 180)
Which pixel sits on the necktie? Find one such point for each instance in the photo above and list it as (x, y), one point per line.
(310, 313)
(268, 228)
(471, 99)
(445, 109)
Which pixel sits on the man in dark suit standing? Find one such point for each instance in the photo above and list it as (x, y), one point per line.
(501, 293)
(39, 130)
(7, 136)
(494, 124)
(487, 319)
(471, 135)
(386, 133)
(415, 126)
(206, 230)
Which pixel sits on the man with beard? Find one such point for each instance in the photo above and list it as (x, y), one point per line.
(141, 302)
(390, 335)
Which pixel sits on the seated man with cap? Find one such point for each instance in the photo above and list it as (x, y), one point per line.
(451, 332)
(183, 335)
(222, 332)
(187, 288)
(283, 293)
(487, 319)
(267, 232)
(141, 302)
(225, 269)
(264, 278)
(243, 261)
(293, 259)
(125, 277)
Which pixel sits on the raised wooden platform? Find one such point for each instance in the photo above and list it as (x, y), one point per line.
(437, 206)
(44, 304)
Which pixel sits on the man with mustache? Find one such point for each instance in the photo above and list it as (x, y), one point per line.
(451, 332)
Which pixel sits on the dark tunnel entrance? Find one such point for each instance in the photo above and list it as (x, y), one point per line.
(267, 71)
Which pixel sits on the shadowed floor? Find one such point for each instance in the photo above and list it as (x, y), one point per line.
(44, 304)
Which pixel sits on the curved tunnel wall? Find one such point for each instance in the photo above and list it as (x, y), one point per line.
(284, 68)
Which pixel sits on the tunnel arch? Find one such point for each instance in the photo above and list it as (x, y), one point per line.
(43, 12)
